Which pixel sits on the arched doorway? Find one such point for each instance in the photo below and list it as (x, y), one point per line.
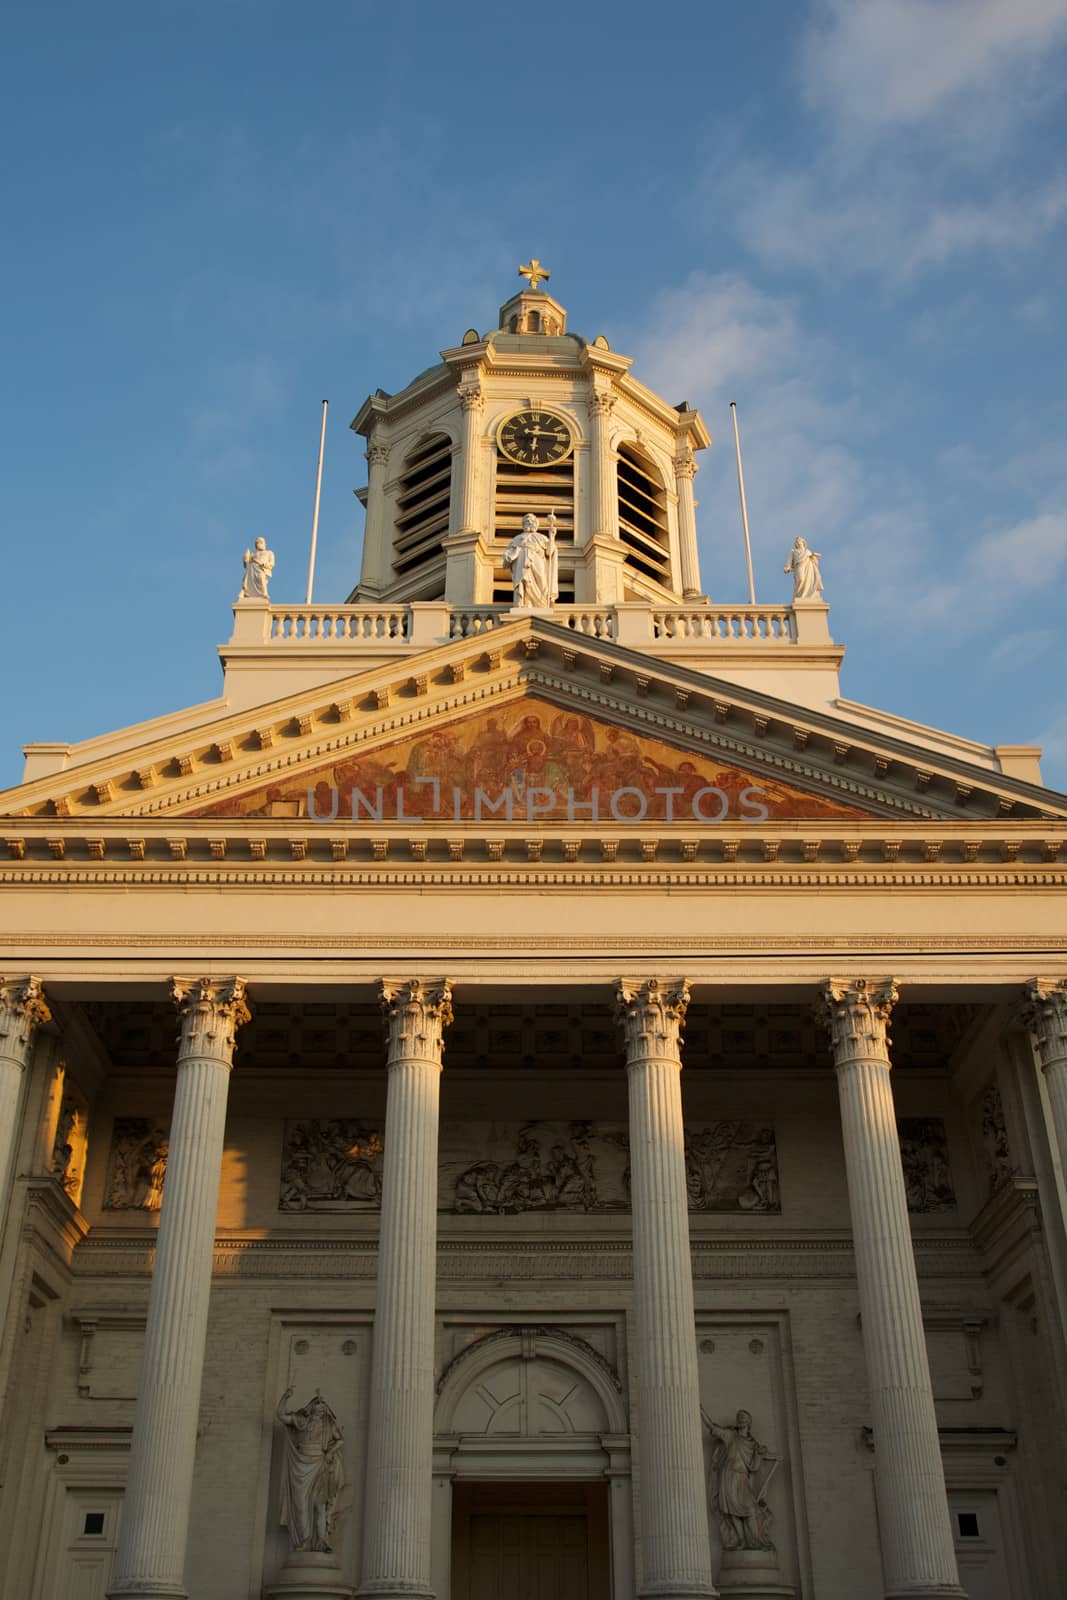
(532, 1471)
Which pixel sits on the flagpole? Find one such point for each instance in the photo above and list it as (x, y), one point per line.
(315, 516)
(744, 508)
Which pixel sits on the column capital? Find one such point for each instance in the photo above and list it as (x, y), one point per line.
(602, 403)
(856, 1012)
(652, 1012)
(416, 1015)
(210, 1013)
(685, 465)
(376, 455)
(471, 395)
(23, 1008)
(1045, 1013)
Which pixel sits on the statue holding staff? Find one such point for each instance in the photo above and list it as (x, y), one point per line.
(744, 1515)
(534, 563)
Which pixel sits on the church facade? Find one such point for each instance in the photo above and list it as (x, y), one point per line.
(532, 1092)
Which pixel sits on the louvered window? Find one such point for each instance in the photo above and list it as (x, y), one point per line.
(422, 503)
(537, 489)
(643, 514)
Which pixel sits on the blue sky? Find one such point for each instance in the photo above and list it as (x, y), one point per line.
(847, 215)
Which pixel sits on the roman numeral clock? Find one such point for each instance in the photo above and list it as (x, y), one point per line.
(535, 438)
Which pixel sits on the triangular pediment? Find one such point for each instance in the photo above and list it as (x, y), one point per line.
(534, 761)
(604, 717)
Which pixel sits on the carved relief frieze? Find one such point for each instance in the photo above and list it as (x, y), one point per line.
(137, 1165)
(995, 1147)
(927, 1174)
(502, 1169)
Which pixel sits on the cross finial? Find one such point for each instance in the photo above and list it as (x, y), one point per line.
(534, 271)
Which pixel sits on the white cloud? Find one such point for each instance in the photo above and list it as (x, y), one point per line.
(892, 63)
(1000, 569)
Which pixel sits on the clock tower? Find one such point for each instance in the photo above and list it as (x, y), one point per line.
(529, 418)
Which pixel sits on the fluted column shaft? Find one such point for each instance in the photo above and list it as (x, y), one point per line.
(22, 1010)
(685, 469)
(1046, 1015)
(472, 402)
(150, 1562)
(396, 1530)
(918, 1557)
(673, 1520)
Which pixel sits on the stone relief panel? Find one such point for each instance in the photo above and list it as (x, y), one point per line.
(137, 1165)
(504, 1168)
(927, 1174)
(69, 1147)
(994, 1131)
(331, 1164)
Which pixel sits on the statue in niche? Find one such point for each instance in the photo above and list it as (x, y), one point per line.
(804, 565)
(313, 1474)
(534, 562)
(329, 1164)
(138, 1166)
(259, 564)
(995, 1139)
(924, 1156)
(737, 1463)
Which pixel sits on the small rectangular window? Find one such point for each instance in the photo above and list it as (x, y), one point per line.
(967, 1524)
(94, 1522)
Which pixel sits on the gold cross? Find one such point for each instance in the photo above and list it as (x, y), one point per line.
(535, 272)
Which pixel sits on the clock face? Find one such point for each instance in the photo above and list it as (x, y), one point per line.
(535, 438)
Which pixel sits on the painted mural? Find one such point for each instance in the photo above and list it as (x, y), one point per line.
(532, 763)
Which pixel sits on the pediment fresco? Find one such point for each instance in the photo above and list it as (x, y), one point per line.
(531, 762)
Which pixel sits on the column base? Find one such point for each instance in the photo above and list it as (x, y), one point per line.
(135, 1590)
(310, 1575)
(927, 1591)
(674, 1591)
(752, 1575)
(395, 1591)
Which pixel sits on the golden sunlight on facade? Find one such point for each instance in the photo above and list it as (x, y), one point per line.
(531, 1093)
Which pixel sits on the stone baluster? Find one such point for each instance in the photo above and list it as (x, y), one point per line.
(22, 1010)
(1046, 1016)
(150, 1562)
(603, 494)
(685, 470)
(472, 403)
(396, 1530)
(675, 1552)
(918, 1557)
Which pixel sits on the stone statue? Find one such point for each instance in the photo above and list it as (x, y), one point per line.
(804, 565)
(744, 1515)
(259, 564)
(313, 1475)
(534, 563)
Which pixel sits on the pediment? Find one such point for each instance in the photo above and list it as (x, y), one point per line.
(532, 760)
(604, 718)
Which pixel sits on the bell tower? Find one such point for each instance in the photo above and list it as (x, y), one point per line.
(529, 419)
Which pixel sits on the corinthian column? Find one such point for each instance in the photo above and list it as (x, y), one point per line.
(685, 470)
(1046, 1017)
(150, 1563)
(22, 1010)
(472, 402)
(396, 1529)
(676, 1557)
(918, 1557)
(602, 489)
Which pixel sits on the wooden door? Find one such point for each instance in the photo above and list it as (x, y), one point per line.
(530, 1542)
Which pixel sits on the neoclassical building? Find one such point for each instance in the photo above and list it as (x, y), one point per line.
(532, 1093)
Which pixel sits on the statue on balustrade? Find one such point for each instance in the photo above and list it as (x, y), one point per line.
(313, 1474)
(804, 565)
(259, 564)
(737, 1461)
(534, 563)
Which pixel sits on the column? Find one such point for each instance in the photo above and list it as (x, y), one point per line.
(396, 1527)
(918, 1558)
(150, 1562)
(1046, 1017)
(673, 1512)
(472, 402)
(685, 470)
(22, 1010)
(376, 532)
(602, 487)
